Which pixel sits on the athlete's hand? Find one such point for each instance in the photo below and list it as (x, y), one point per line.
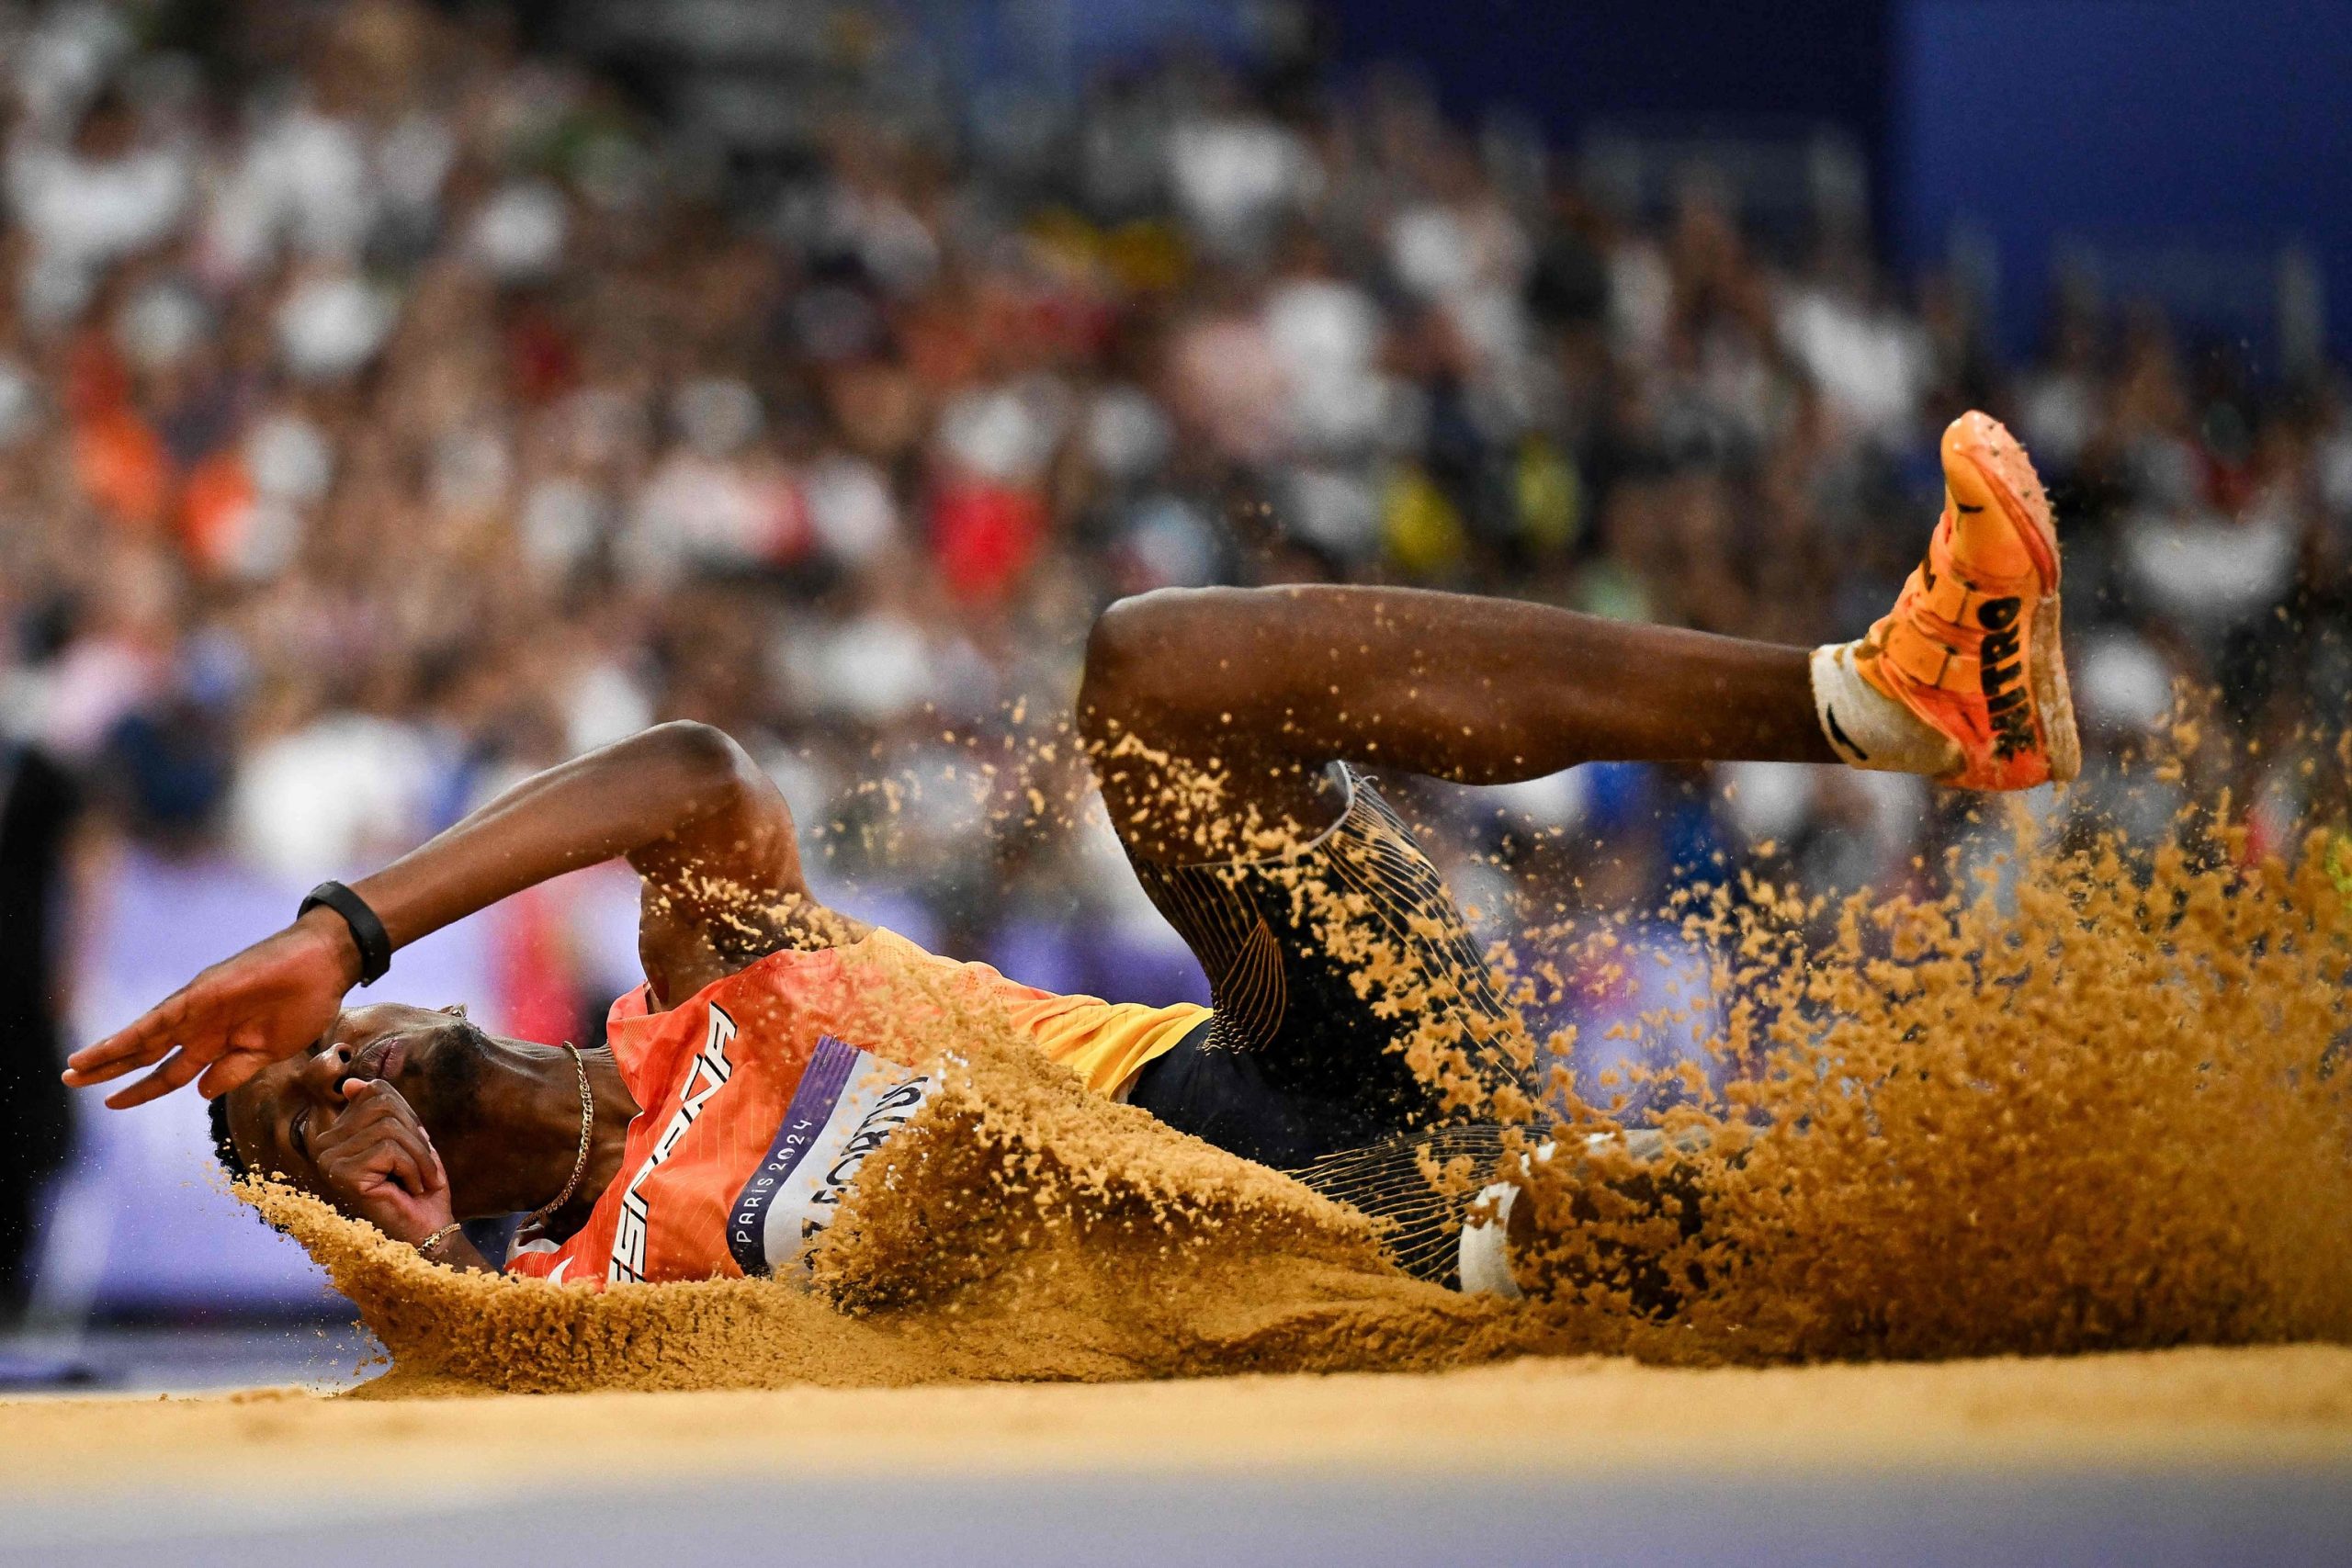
(377, 1162)
(266, 1003)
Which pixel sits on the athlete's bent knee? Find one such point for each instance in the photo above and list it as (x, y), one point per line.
(1147, 658)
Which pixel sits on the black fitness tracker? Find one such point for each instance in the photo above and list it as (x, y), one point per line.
(375, 945)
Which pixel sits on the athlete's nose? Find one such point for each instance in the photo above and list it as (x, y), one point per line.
(322, 1072)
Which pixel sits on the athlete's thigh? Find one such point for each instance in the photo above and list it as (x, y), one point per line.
(1203, 798)
(1343, 963)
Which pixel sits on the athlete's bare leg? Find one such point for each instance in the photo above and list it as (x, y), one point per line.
(1963, 680)
(1264, 686)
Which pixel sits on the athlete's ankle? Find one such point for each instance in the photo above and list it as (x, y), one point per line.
(1868, 728)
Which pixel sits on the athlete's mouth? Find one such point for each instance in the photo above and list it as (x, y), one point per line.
(378, 1059)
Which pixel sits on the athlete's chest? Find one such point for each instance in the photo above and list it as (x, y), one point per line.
(745, 1157)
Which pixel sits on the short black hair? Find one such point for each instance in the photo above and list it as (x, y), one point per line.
(224, 1147)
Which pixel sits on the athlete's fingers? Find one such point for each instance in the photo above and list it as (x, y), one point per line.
(236, 1065)
(109, 1058)
(429, 1176)
(230, 1072)
(174, 1073)
(89, 1074)
(362, 1105)
(376, 1137)
(371, 1094)
(394, 1160)
(382, 1099)
(362, 1111)
(372, 1108)
(138, 1044)
(377, 1095)
(436, 1176)
(379, 1162)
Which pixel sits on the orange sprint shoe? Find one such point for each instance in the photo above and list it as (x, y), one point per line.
(1971, 646)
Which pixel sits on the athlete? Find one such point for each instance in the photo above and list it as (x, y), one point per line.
(774, 1042)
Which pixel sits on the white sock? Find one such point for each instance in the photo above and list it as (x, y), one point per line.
(1483, 1263)
(1870, 729)
(1483, 1266)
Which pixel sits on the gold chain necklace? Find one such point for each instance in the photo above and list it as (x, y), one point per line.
(587, 1129)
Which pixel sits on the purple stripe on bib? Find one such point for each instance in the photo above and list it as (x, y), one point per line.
(830, 1066)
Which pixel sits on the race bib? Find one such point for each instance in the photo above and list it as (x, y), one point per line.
(848, 1104)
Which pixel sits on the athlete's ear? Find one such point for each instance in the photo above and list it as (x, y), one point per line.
(455, 1009)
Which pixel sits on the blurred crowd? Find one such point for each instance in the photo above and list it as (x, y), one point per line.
(389, 410)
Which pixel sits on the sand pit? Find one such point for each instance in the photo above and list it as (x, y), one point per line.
(2167, 1456)
(2268, 1405)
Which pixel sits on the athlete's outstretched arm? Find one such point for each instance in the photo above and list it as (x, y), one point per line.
(1267, 684)
(705, 827)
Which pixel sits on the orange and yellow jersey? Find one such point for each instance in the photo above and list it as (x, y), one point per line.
(765, 1091)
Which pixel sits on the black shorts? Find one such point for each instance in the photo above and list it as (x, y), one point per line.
(1347, 986)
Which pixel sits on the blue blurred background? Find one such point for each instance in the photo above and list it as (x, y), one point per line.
(396, 399)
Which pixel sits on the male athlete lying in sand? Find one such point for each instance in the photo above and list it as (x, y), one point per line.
(748, 1076)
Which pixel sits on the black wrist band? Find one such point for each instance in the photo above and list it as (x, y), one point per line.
(375, 945)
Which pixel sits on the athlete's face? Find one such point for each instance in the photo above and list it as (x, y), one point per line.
(440, 1063)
